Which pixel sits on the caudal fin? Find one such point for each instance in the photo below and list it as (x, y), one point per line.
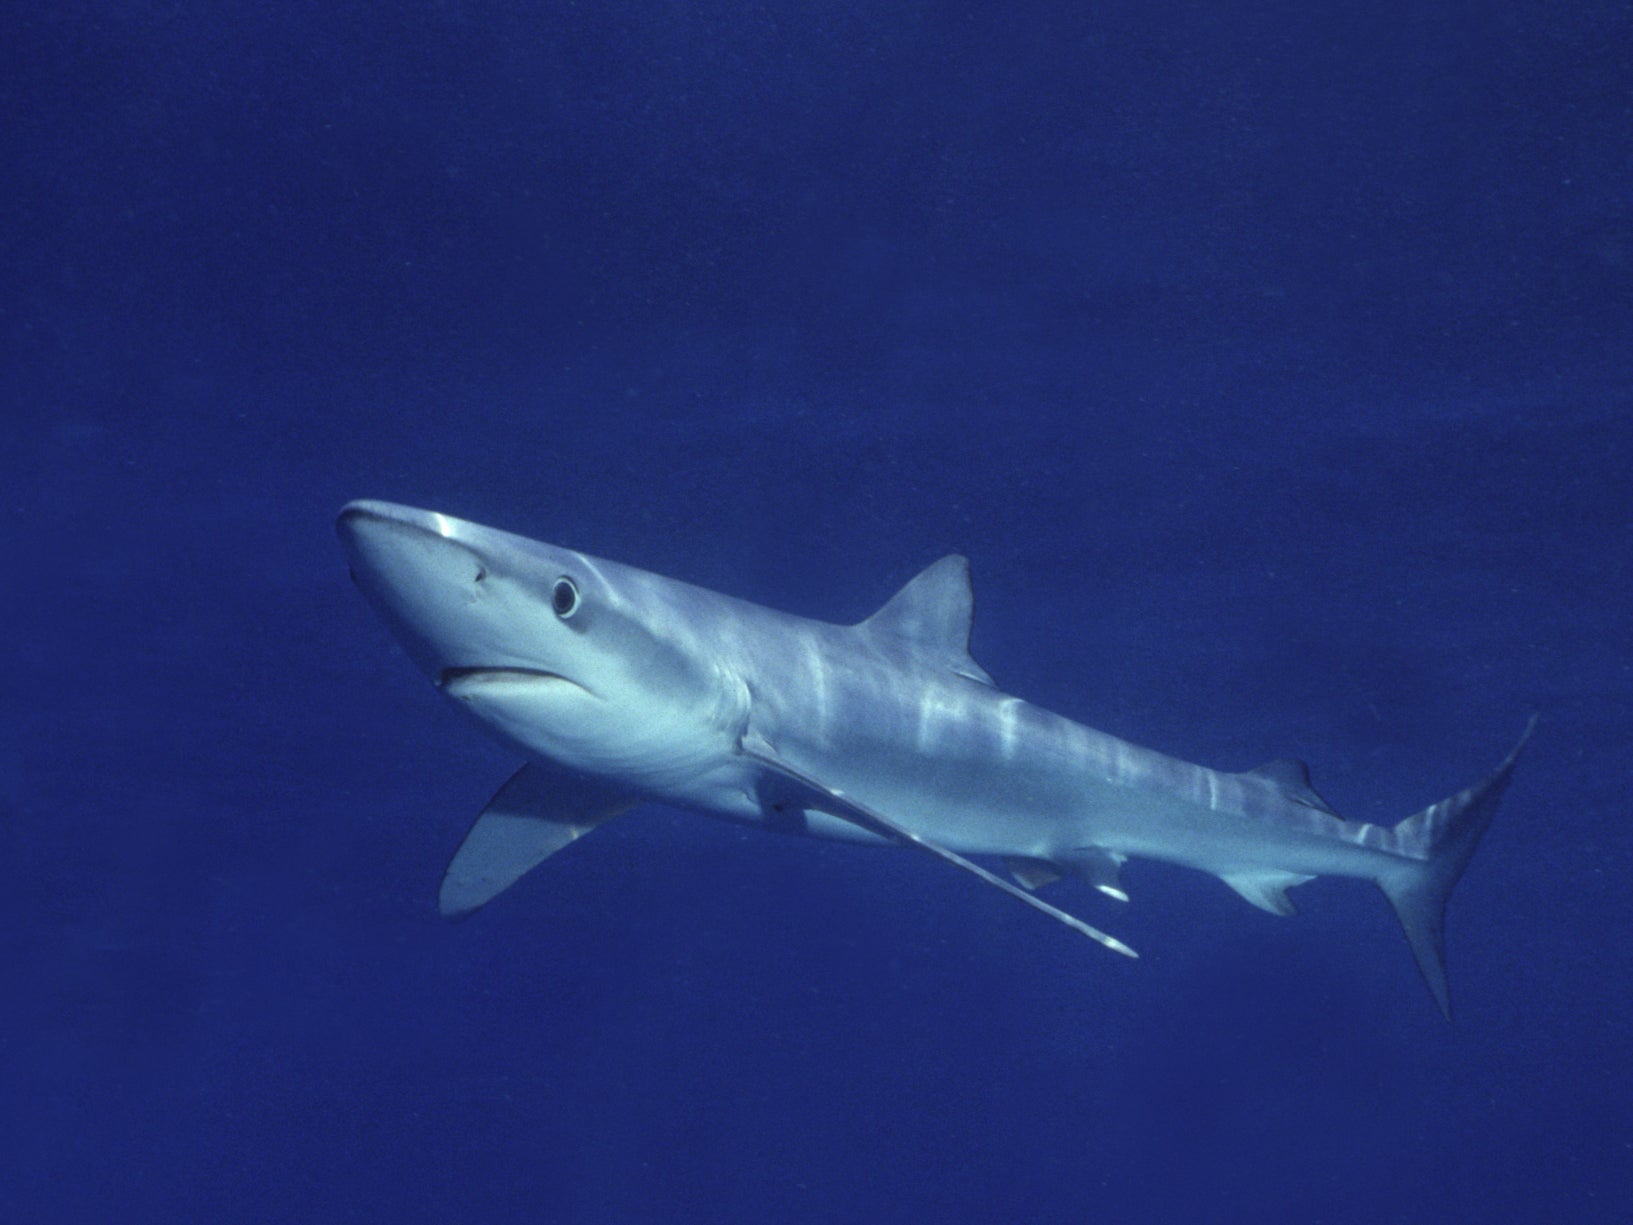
(1438, 843)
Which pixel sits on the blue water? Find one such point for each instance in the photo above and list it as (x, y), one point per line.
(1273, 366)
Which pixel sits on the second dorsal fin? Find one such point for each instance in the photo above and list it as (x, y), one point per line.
(932, 614)
(1293, 777)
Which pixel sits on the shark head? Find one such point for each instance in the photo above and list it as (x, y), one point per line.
(574, 660)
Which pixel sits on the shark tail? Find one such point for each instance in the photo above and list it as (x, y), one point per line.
(1436, 845)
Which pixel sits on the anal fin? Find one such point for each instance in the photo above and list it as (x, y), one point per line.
(1266, 888)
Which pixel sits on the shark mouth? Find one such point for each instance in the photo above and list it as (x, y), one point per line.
(459, 681)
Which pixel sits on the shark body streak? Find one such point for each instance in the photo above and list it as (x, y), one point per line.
(621, 686)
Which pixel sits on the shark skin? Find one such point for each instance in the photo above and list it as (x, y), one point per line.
(620, 687)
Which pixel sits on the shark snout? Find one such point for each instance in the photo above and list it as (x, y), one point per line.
(423, 581)
(394, 549)
(365, 520)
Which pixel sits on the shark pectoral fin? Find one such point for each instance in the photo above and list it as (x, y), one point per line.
(812, 793)
(539, 811)
(1266, 888)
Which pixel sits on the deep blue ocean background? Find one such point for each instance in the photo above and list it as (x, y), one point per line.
(1273, 363)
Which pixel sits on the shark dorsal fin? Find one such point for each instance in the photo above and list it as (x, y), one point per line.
(932, 613)
(1293, 777)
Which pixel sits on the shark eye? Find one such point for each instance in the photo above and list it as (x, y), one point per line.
(564, 598)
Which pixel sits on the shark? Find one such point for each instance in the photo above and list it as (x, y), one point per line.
(620, 687)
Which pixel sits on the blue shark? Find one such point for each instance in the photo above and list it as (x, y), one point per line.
(621, 687)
